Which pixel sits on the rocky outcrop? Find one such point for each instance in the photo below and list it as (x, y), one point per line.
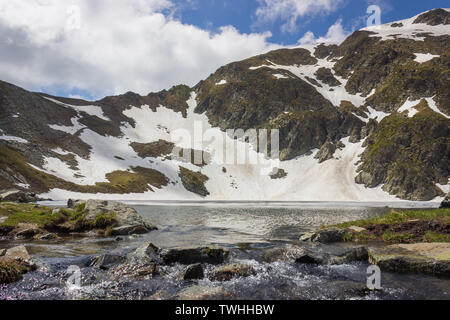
(18, 196)
(425, 258)
(408, 156)
(128, 220)
(194, 181)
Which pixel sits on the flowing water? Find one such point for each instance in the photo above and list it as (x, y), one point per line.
(249, 231)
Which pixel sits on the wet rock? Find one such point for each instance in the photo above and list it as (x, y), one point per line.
(330, 235)
(344, 255)
(118, 239)
(198, 293)
(423, 258)
(226, 273)
(2, 252)
(145, 251)
(188, 256)
(129, 230)
(48, 236)
(194, 272)
(27, 233)
(107, 261)
(135, 269)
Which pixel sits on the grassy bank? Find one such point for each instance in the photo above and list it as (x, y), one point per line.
(402, 226)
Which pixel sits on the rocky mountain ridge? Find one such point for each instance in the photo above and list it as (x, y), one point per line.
(371, 116)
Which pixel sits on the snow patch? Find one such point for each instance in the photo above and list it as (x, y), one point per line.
(408, 106)
(71, 130)
(221, 82)
(421, 57)
(12, 138)
(91, 109)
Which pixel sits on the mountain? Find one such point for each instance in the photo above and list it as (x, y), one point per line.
(364, 120)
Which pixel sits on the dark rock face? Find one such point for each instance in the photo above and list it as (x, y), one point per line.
(194, 181)
(194, 272)
(446, 202)
(190, 256)
(434, 17)
(326, 152)
(326, 76)
(107, 261)
(408, 156)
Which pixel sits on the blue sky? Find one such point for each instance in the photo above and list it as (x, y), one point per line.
(212, 14)
(91, 49)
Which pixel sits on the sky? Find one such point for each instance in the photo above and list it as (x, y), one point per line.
(93, 48)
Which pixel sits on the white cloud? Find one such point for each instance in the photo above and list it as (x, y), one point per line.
(120, 46)
(289, 11)
(336, 34)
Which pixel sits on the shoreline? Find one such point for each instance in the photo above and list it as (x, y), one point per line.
(267, 204)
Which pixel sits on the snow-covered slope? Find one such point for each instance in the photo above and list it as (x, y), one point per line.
(340, 128)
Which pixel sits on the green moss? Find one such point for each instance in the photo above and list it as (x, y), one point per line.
(393, 237)
(10, 271)
(396, 216)
(436, 237)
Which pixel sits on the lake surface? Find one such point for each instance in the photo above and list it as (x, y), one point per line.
(249, 230)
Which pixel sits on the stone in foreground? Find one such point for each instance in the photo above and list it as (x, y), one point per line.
(188, 256)
(423, 258)
(226, 273)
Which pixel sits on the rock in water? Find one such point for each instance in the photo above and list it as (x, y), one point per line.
(425, 258)
(194, 272)
(14, 263)
(128, 219)
(189, 256)
(107, 261)
(226, 273)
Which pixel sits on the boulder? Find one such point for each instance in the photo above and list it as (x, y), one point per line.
(423, 258)
(129, 230)
(188, 256)
(147, 251)
(226, 273)
(27, 233)
(330, 235)
(19, 254)
(48, 236)
(194, 272)
(105, 262)
(2, 252)
(135, 269)
(128, 219)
